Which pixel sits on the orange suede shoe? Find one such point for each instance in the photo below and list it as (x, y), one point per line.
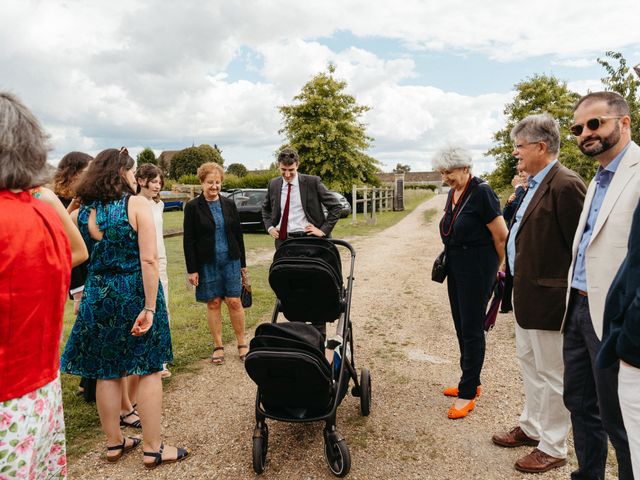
(453, 391)
(463, 412)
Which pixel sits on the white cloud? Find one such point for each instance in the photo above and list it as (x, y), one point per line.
(142, 73)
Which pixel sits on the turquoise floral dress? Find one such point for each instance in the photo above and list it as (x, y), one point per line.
(101, 345)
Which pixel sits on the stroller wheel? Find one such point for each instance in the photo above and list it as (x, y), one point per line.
(260, 447)
(365, 392)
(337, 456)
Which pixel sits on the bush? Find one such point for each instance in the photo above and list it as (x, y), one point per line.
(168, 184)
(251, 180)
(191, 179)
(433, 188)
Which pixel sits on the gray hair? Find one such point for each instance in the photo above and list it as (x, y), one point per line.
(23, 146)
(448, 158)
(539, 128)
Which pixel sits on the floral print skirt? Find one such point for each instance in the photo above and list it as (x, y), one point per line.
(32, 435)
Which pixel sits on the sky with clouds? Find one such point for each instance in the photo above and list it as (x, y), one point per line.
(168, 74)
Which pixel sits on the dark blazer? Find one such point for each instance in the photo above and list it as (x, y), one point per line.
(199, 240)
(543, 249)
(621, 337)
(510, 209)
(313, 194)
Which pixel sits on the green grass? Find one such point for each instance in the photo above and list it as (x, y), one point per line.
(189, 330)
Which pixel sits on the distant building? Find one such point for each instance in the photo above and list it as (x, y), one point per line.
(164, 160)
(415, 179)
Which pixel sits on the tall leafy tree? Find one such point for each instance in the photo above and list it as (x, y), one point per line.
(324, 126)
(539, 94)
(620, 79)
(237, 169)
(187, 161)
(147, 156)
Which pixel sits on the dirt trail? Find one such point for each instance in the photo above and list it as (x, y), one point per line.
(405, 336)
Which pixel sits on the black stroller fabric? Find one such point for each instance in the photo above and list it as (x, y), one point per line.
(287, 363)
(307, 278)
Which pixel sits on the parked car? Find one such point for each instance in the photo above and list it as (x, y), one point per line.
(249, 204)
(173, 200)
(344, 203)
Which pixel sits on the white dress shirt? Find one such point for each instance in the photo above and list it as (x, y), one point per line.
(297, 219)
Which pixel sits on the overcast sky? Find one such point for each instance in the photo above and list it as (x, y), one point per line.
(167, 74)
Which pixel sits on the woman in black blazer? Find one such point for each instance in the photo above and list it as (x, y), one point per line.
(215, 257)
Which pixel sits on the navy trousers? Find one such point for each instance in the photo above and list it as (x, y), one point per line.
(591, 395)
(471, 273)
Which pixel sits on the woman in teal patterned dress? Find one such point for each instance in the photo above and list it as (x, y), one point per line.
(215, 257)
(122, 327)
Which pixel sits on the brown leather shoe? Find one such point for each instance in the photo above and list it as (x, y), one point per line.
(514, 438)
(538, 462)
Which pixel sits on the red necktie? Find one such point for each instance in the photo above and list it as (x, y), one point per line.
(285, 215)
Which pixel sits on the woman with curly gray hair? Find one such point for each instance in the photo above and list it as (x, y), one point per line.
(474, 234)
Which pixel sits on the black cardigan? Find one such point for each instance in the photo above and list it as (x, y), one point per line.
(199, 239)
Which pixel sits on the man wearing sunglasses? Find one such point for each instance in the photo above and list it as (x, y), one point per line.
(293, 205)
(603, 129)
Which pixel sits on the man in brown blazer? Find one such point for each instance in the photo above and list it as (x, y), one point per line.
(539, 255)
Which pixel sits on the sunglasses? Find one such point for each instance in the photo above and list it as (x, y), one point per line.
(592, 124)
(287, 155)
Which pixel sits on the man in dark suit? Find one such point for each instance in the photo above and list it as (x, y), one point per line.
(621, 339)
(539, 255)
(293, 205)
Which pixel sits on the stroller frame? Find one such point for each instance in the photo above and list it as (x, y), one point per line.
(335, 448)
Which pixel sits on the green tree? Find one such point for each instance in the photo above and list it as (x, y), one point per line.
(539, 94)
(147, 156)
(187, 161)
(237, 169)
(401, 168)
(324, 126)
(620, 79)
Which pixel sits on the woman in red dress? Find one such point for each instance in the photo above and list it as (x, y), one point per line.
(35, 267)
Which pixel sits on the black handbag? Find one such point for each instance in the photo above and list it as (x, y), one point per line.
(245, 297)
(439, 270)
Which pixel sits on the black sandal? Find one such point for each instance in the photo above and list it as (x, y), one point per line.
(182, 454)
(217, 360)
(135, 424)
(244, 355)
(123, 448)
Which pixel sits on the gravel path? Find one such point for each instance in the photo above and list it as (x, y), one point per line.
(404, 335)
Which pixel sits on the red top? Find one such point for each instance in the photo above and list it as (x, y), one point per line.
(35, 269)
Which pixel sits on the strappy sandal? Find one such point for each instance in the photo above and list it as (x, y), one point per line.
(244, 355)
(182, 454)
(123, 448)
(217, 360)
(135, 424)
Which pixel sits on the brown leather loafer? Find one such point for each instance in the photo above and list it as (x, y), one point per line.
(538, 462)
(514, 438)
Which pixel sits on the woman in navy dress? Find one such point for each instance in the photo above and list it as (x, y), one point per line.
(474, 233)
(121, 328)
(215, 257)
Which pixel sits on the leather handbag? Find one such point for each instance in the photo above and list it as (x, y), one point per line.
(439, 270)
(246, 298)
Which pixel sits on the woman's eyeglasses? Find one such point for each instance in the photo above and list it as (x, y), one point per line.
(592, 124)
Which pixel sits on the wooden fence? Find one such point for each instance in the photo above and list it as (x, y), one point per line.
(374, 199)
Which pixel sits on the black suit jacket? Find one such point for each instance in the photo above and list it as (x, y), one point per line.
(313, 194)
(543, 249)
(199, 240)
(621, 337)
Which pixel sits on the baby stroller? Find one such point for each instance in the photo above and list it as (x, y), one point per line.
(287, 360)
